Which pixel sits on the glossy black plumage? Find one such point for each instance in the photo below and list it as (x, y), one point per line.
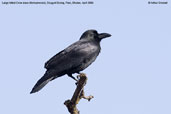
(73, 59)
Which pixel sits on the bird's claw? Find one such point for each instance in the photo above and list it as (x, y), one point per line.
(80, 75)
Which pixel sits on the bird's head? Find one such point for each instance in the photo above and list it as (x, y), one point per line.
(94, 35)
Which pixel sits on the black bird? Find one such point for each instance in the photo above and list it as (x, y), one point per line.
(73, 59)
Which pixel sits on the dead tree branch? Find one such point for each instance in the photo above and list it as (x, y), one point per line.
(78, 94)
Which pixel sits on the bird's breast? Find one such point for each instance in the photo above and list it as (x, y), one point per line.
(90, 49)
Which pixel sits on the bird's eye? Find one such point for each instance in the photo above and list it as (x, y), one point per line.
(91, 35)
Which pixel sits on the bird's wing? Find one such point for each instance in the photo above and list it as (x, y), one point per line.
(56, 57)
(71, 57)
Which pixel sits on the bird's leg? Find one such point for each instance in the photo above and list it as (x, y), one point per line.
(70, 75)
(78, 72)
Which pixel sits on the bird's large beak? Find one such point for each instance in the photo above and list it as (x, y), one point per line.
(104, 35)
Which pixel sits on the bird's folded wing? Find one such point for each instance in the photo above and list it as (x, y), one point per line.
(71, 57)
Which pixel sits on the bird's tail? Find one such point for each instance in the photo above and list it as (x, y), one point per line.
(41, 83)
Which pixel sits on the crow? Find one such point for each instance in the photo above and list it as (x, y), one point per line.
(73, 59)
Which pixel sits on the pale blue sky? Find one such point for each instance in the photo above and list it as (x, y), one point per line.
(132, 74)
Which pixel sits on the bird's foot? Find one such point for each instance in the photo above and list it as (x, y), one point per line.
(79, 76)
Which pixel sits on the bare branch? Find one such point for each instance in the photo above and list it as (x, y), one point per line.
(78, 94)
